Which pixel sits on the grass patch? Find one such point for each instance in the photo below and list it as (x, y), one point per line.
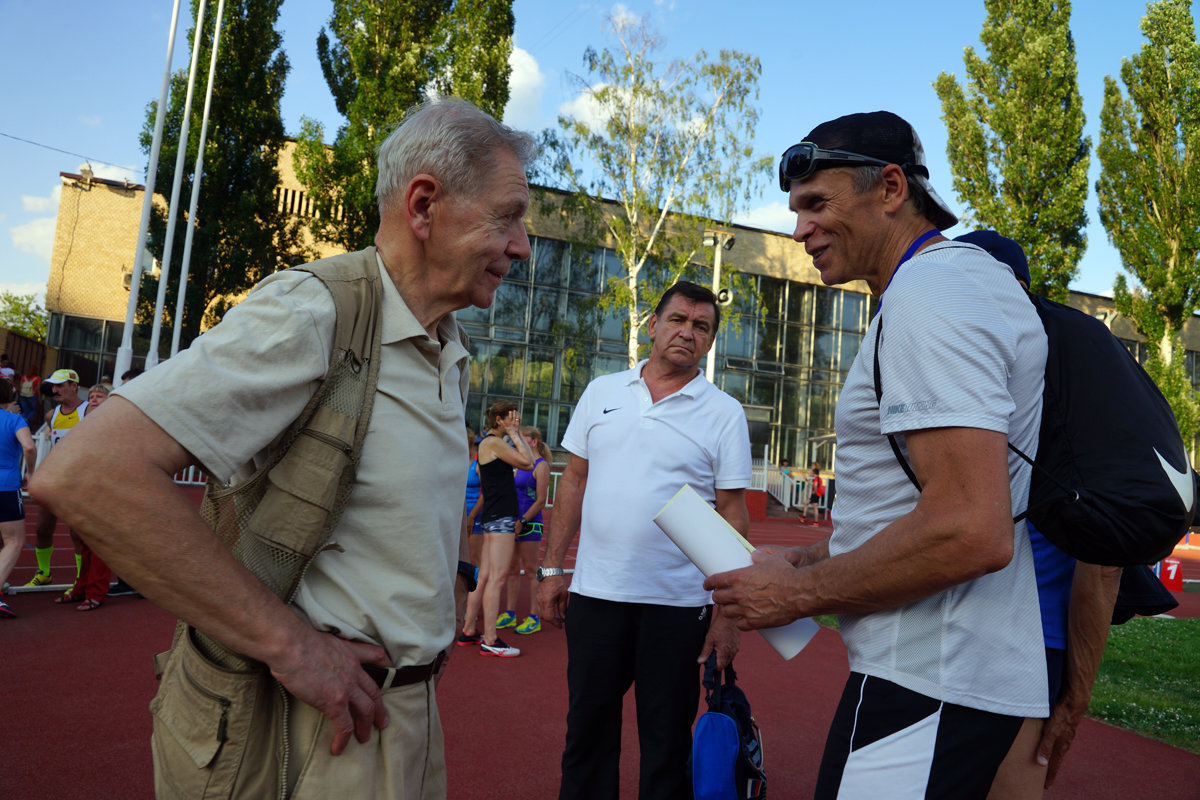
(1148, 681)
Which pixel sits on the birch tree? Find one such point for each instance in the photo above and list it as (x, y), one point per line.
(658, 151)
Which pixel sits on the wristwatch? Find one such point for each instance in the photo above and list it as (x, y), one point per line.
(470, 574)
(549, 572)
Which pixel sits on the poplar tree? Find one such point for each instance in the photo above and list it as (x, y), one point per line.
(380, 58)
(1149, 191)
(241, 235)
(1015, 143)
(663, 152)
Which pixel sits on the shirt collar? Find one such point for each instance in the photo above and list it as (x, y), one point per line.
(693, 388)
(399, 322)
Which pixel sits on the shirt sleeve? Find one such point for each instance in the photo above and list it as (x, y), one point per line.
(733, 465)
(945, 358)
(574, 439)
(243, 382)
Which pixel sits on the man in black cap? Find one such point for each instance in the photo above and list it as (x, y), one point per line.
(932, 580)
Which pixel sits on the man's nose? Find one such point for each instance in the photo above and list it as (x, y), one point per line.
(518, 245)
(803, 230)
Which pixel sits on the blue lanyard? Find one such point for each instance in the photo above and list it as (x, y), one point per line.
(912, 249)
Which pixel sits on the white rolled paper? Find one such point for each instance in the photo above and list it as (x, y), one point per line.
(714, 546)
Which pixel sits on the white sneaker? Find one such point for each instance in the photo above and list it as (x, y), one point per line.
(499, 649)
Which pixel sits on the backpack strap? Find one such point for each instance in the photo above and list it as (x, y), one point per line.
(278, 520)
(908, 470)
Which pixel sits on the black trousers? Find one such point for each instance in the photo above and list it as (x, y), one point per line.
(611, 646)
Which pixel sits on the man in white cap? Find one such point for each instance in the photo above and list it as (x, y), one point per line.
(932, 580)
(65, 416)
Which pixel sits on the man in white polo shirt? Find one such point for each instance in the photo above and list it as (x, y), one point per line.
(452, 194)
(638, 611)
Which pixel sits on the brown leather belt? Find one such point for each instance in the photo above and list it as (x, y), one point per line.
(390, 677)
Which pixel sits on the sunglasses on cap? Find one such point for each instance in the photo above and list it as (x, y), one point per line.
(802, 160)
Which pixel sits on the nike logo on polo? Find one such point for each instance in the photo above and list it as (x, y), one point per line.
(607, 410)
(1182, 481)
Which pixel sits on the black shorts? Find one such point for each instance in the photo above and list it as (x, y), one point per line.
(890, 742)
(816, 501)
(12, 508)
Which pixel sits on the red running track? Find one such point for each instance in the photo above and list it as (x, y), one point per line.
(74, 690)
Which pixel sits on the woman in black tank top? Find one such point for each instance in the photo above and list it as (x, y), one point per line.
(497, 459)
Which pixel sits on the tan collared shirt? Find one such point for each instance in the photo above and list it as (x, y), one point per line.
(238, 386)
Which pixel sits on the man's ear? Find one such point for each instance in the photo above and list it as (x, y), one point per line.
(894, 188)
(420, 196)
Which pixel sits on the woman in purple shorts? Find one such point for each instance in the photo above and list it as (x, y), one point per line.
(500, 451)
(533, 487)
(16, 444)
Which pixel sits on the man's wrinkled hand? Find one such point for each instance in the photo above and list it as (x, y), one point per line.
(328, 675)
(552, 599)
(758, 596)
(723, 637)
(1057, 735)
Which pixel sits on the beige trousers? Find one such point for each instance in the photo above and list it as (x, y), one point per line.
(404, 761)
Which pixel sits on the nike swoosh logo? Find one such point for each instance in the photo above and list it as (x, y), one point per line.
(607, 410)
(1182, 481)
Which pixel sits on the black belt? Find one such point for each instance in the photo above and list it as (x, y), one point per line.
(390, 677)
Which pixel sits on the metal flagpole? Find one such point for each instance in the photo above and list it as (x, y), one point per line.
(173, 214)
(125, 351)
(177, 322)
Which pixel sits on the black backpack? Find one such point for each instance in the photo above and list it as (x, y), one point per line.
(727, 754)
(1111, 483)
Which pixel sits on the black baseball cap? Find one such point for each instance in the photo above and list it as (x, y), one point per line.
(887, 137)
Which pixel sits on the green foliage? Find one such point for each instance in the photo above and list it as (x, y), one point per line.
(241, 237)
(1016, 147)
(380, 58)
(1147, 680)
(20, 313)
(667, 148)
(1150, 191)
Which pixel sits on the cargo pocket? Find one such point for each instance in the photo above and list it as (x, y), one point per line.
(215, 733)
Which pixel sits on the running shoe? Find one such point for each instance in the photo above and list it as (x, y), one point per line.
(39, 579)
(120, 588)
(5, 611)
(499, 649)
(468, 641)
(506, 620)
(530, 624)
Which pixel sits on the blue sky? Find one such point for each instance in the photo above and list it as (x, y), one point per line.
(78, 75)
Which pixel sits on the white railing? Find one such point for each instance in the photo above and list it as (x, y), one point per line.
(793, 492)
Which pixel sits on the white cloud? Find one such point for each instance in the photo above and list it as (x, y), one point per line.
(40, 205)
(525, 86)
(771, 217)
(35, 236)
(623, 17)
(38, 290)
(110, 172)
(585, 109)
(91, 120)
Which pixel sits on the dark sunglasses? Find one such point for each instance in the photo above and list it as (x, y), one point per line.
(802, 160)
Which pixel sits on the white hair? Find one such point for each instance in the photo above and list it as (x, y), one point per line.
(449, 139)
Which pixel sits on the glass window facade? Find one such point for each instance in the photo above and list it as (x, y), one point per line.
(543, 340)
(89, 346)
